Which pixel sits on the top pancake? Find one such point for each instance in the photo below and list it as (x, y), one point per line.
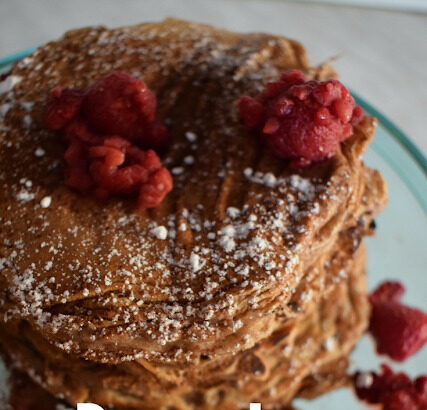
(97, 279)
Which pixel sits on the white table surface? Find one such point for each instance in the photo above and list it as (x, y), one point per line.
(382, 54)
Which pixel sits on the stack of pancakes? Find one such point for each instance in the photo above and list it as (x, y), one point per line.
(246, 284)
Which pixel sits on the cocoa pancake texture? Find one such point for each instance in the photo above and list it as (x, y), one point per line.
(246, 284)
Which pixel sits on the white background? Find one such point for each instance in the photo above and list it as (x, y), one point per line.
(382, 54)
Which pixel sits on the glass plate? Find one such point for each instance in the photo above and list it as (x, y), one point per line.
(398, 251)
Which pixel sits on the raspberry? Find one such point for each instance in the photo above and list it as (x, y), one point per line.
(77, 173)
(62, 106)
(123, 105)
(399, 400)
(78, 130)
(301, 121)
(155, 136)
(106, 129)
(153, 192)
(399, 330)
(251, 111)
(395, 391)
(387, 292)
(141, 169)
(118, 104)
(421, 386)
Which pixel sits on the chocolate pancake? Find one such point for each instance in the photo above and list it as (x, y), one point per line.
(305, 356)
(169, 306)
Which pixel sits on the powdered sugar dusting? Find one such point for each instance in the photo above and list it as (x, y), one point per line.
(39, 152)
(46, 201)
(189, 271)
(4, 108)
(160, 232)
(191, 136)
(9, 83)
